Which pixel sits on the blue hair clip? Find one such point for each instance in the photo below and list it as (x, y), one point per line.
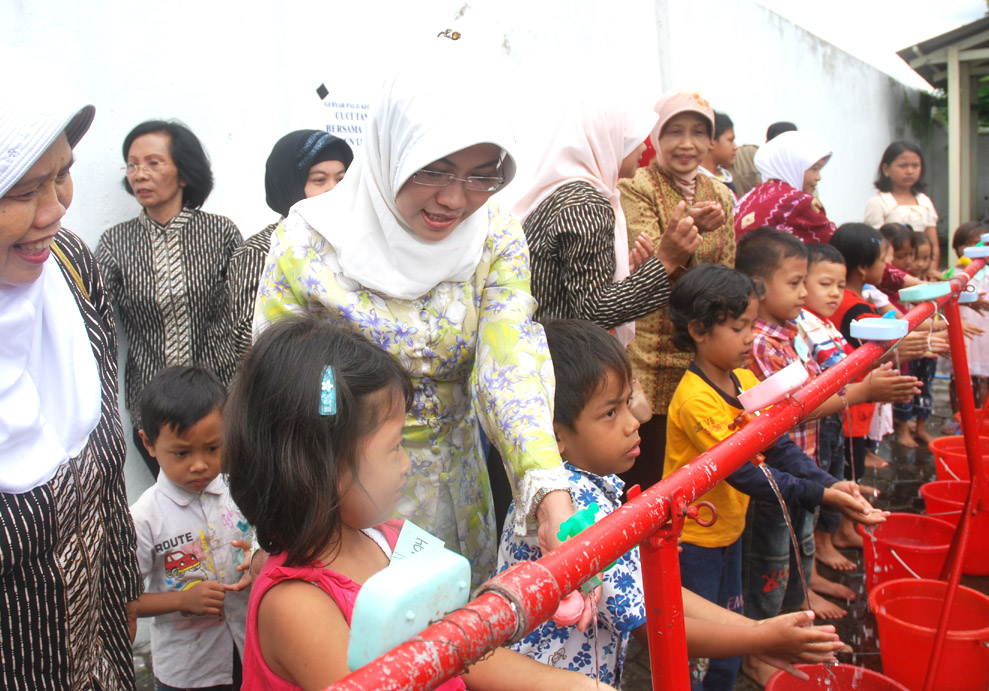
(328, 392)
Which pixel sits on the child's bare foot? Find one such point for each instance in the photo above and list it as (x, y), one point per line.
(921, 434)
(846, 537)
(824, 609)
(825, 552)
(757, 670)
(820, 584)
(876, 461)
(903, 437)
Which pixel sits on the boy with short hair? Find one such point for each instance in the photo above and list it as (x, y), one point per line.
(193, 543)
(598, 437)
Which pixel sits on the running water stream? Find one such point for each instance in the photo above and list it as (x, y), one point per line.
(789, 526)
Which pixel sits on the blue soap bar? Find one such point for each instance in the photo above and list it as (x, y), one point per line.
(925, 292)
(977, 252)
(401, 600)
(876, 329)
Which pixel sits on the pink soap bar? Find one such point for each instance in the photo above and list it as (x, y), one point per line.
(570, 609)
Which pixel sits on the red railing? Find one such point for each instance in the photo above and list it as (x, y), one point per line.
(526, 595)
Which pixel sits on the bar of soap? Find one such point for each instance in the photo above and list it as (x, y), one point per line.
(925, 292)
(570, 609)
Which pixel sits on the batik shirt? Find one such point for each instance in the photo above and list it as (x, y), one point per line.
(621, 609)
(168, 282)
(649, 200)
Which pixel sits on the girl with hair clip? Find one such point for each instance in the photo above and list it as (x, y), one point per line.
(407, 252)
(318, 468)
(901, 199)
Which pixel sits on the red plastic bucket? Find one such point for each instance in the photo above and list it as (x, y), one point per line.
(907, 612)
(950, 459)
(945, 499)
(834, 677)
(983, 429)
(907, 545)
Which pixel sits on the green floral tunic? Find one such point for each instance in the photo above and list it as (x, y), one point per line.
(474, 353)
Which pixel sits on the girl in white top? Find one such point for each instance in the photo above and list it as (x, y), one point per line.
(901, 198)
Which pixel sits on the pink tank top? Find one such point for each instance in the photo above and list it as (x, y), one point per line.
(344, 591)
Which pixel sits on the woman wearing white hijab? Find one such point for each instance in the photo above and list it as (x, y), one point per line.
(791, 166)
(67, 561)
(576, 229)
(406, 252)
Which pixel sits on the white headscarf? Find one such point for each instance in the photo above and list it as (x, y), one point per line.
(589, 146)
(789, 155)
(421, 116)
(50, 395)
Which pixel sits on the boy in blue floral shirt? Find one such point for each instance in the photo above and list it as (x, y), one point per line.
(598, 437)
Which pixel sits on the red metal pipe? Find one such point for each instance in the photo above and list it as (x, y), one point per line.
(970, 430)
(528, 593)
(664, 601)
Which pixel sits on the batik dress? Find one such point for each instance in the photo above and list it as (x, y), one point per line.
(68, 564)
(473, 352)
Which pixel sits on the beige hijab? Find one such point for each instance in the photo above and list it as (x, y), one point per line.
(667, 107)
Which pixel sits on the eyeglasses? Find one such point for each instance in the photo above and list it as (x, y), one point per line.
(474, 183)
(150, 167)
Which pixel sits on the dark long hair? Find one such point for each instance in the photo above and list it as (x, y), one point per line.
(892, 152)
(283, 457)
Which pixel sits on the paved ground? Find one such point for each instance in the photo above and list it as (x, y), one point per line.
(899, 485)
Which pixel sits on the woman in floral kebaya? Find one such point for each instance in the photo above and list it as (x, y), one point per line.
(407, 252)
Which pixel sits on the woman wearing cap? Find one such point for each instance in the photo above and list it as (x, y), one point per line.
(407, 252)
(669, 192)
(302, 164)
(67, 561)
(166, 269)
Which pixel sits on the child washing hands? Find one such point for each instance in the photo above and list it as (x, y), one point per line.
(315, 460)
(597, 431)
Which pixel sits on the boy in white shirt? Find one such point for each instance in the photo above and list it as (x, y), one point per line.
(193, 543)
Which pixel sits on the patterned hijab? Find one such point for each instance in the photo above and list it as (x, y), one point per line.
(49, 382)
(667, 107)
(418, 119)
(789, 155)
(287, 169)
